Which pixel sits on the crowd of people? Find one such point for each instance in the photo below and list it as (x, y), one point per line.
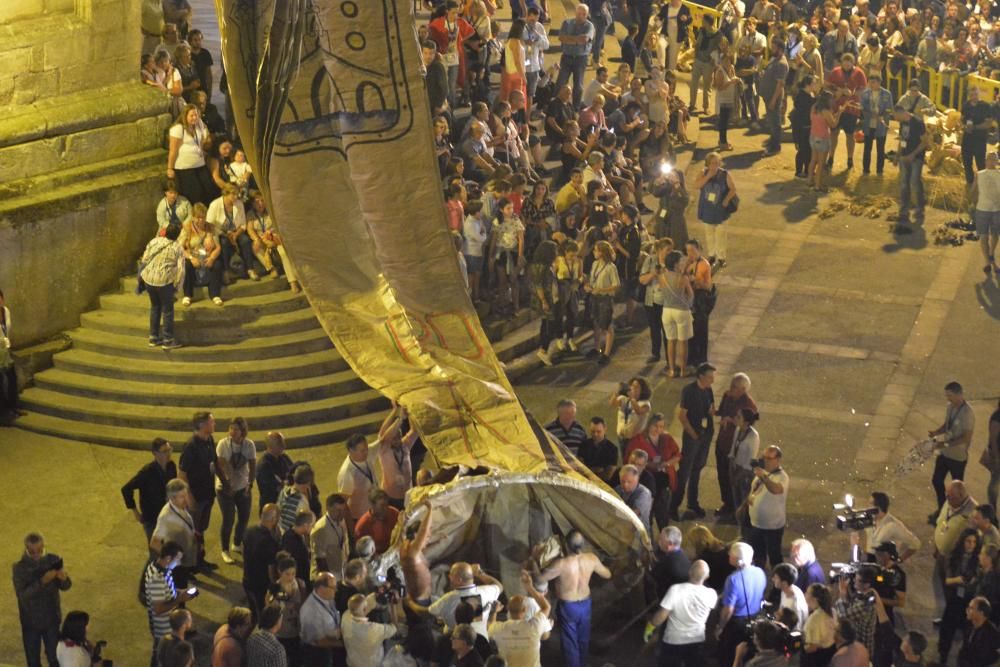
(570, 242)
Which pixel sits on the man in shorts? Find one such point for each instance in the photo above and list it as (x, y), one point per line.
(986, 195)
(846, 83)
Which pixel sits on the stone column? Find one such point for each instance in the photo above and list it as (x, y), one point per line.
(81, 157)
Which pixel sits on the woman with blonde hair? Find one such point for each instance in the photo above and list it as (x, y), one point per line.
(602, 285)
(712, 550)
(190, 142)
(202, 262)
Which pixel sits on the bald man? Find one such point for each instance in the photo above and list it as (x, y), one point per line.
(519, 638)
(954, 517)
(573, 572)
(320, 624)
(468, 584)
(685, 609)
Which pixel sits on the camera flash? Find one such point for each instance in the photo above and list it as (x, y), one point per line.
(666, 168)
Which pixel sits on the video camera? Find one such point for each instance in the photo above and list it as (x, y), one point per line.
(852, 519)
(391, 590)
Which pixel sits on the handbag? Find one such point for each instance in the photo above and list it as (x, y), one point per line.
(733, 205)
(987, 459)
(704, 301)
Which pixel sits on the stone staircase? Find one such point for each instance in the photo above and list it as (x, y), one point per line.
(262, 356)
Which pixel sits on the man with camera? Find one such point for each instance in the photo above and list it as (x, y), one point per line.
(770, 641)
(38, 579)
(856, 603)
(891, 581)
(766, 507)
(887, 528)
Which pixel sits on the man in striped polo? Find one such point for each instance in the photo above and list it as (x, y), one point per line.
(161, 594)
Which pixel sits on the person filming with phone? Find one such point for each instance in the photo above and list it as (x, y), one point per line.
(160, 593)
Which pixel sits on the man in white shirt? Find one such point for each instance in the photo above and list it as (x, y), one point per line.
(519, 638)
(362, 638)
(768, 495)
(888, 528)
(536, 43)
(685, 609)
(357, 475)
(468, 584)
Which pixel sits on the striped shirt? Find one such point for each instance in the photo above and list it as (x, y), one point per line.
(290, 502)
(159, 583)
(162, 260)
(572, 437)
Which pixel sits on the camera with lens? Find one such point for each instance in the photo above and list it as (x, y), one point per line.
(851, 519)
(623, 388)
(756, 463)
(391, 590)
(774, 635)
(876, 576)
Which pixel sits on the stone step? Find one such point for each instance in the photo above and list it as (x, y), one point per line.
(73, 177)
(239, 310)
(134, 346)
(238, 290)
(326, 433)
(152, 393)
(206, 332)
(166, 371)
(113, 414)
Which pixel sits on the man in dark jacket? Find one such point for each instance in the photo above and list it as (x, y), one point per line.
(38, 579)
(151, 483)
(260, 551)
(436, 77)
(273, 467)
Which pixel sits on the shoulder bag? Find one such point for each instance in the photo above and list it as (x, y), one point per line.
(140, 284)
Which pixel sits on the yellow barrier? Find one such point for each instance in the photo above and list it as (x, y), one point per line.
(946, 89)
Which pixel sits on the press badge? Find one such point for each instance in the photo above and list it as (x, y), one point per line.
(710, 197)
(704, 422)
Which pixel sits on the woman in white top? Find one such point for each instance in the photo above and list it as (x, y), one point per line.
(74, 650)
(633, 409)
(512, 77)
(190, 141)
(602, 286)
(169, 78)
(658, 94)
(817, 633)
(237, 456)
(746, 441)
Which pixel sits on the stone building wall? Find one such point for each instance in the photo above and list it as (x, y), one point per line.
(81, 156)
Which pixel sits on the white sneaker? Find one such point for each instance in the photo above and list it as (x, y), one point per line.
(254, 276)
(571, 344)
(544, 356)
(561, 345)
(226, 558)
(217, 301)
(186, 301)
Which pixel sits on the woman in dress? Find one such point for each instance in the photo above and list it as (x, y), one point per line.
(658, 94)
(726, 86)
(507, 253)
(539, 215)
(512, 77)
(822, 120)
(675, 17)
(959, 587)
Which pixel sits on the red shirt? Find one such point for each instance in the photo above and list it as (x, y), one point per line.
(456, 214)
(378, 530)
(665, 449)
(856, 81)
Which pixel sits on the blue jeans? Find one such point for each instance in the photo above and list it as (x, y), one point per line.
(574, 624)
(575, 65)
(694, 456)
(773, 119)
(33, 639)
(161, 306)
(911, 180)
(244, 245)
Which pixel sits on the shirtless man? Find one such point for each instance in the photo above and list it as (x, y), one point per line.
(416, 570)
(573, 590)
